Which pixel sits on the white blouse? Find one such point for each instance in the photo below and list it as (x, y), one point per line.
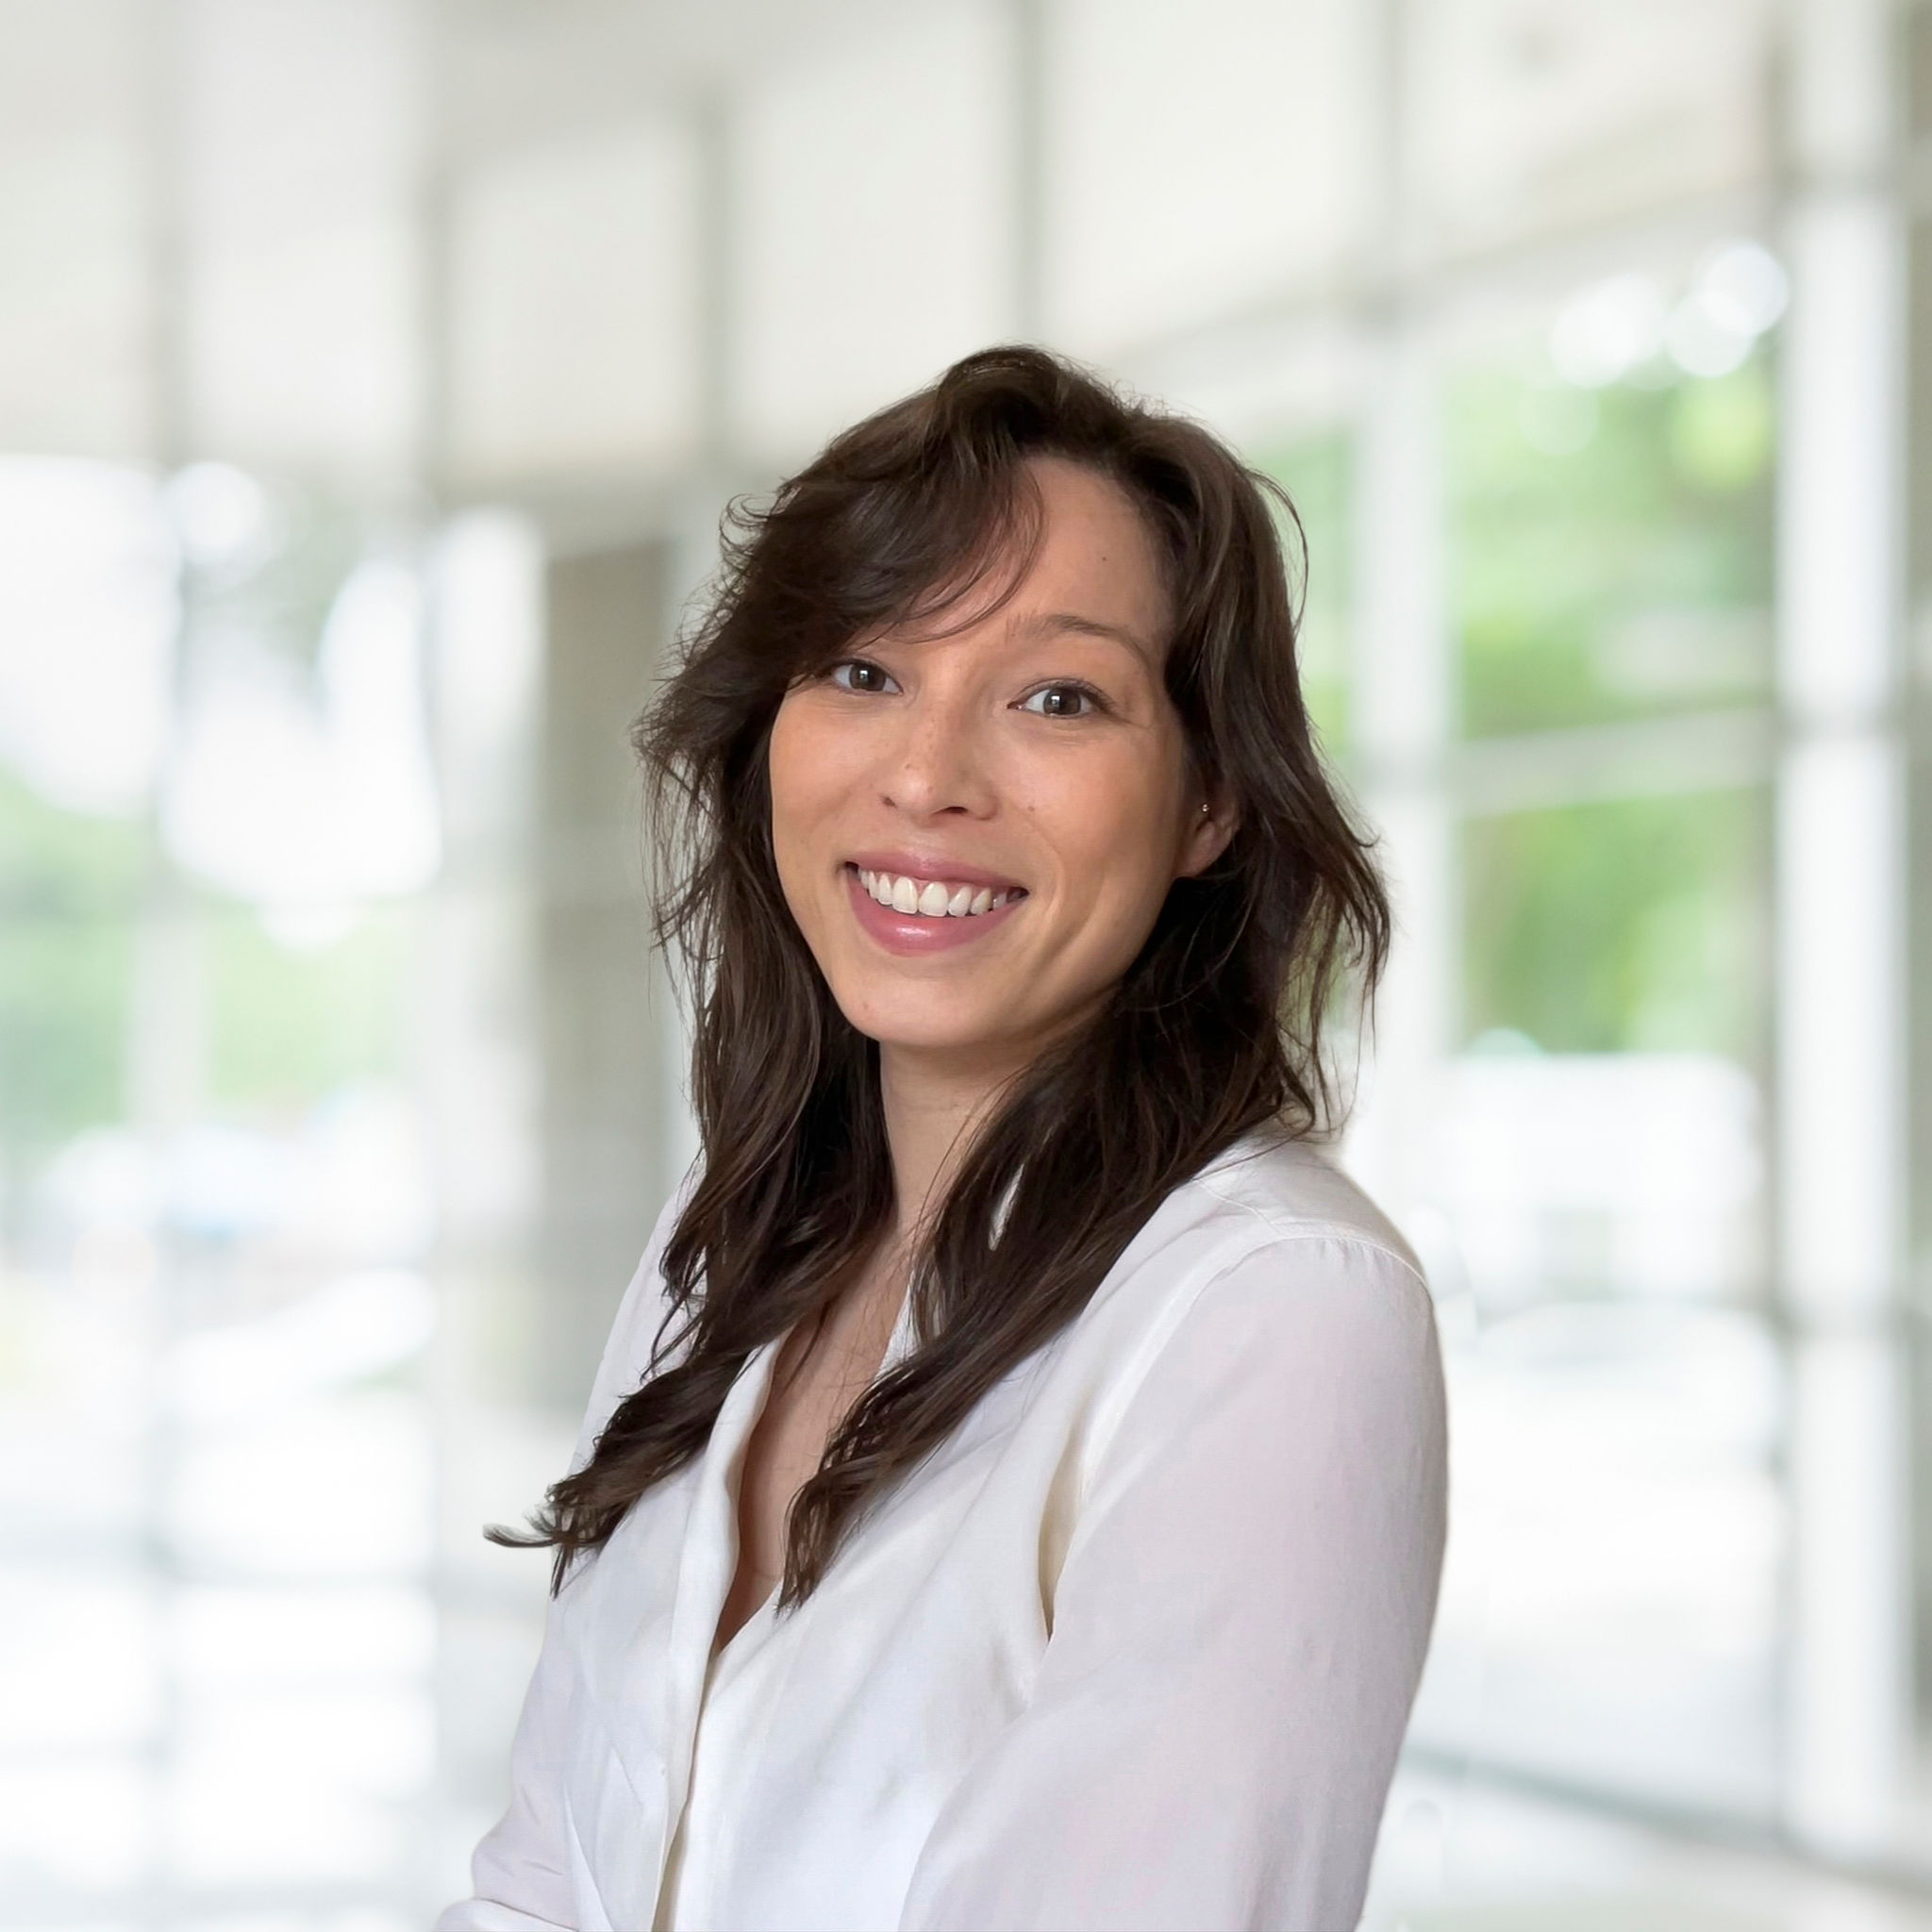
(1132, 1652)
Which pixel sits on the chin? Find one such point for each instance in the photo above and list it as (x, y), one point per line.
(925, 1022)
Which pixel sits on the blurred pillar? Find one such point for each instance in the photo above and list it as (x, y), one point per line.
(480, 1073)
(1400, 724)
(1841, 893)
(545, 1065)
(1027, 213)
(603, 1157)
(1916, 724)
(1401, 707)
(480, 1083)
(690, 557)
(168, 1017)
(716, 191)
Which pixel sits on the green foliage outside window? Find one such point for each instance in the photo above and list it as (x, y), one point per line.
(1612, 560)
(1634, 925)
(284, 1027)
(288, 1027)
(1612, 548)
(1315, 474)
(69, 886)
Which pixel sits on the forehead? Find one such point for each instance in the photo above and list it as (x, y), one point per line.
(1093, 519)
(1089, 556)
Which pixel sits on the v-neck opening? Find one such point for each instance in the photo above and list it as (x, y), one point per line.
(763, 1611)
(898, 1344)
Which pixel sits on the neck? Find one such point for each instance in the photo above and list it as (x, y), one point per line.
(933, 1107)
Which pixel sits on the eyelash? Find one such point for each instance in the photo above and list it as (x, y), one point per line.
(1086, 691)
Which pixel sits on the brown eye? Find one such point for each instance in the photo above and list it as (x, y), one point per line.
(860, 674)
(1061, 701)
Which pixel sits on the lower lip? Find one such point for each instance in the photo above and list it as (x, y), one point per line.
(910, 936)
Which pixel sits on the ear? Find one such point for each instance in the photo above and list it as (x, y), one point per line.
(1210, 824)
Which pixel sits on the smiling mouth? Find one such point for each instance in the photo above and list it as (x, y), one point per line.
(932, 898)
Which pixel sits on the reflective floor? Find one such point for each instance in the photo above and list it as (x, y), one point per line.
(1458, 1855)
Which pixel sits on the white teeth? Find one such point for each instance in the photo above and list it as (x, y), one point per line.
(929, 898)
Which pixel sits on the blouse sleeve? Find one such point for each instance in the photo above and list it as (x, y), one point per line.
(522, 1873)
(1238, 1630)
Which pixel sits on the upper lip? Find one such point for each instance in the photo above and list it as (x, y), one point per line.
(912, 865)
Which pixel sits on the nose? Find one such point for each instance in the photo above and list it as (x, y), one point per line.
(939, 764)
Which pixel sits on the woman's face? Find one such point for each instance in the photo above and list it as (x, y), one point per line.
(975, 832)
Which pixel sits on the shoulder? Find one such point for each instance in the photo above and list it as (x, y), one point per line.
(1269, 1192)
(1268, 1261)
(1276, 1321)
(1308, 1252)
(1271, 1211)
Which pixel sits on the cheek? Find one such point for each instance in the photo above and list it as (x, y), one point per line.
(1110, 823)
(784, 766)
(801, 762)
(794, 779)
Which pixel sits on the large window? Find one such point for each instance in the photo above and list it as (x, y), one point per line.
(1613, 546)
(1592, 1192)
(218, 1513)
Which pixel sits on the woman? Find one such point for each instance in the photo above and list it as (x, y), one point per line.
(1012, 1497)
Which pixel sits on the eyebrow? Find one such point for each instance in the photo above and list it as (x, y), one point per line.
(1050, 622)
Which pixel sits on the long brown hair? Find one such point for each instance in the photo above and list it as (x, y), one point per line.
(1215, 1029)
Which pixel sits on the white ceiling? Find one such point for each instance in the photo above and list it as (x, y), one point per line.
(512, 71)
(327, 235)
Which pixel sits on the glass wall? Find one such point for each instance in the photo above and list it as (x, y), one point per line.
(1603, 1154)
(219, 1499)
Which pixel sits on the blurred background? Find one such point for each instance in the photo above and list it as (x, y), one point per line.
(371, 375)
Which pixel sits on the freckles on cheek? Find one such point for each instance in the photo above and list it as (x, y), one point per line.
(797, 766)
(787, 784)
(816, 758)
